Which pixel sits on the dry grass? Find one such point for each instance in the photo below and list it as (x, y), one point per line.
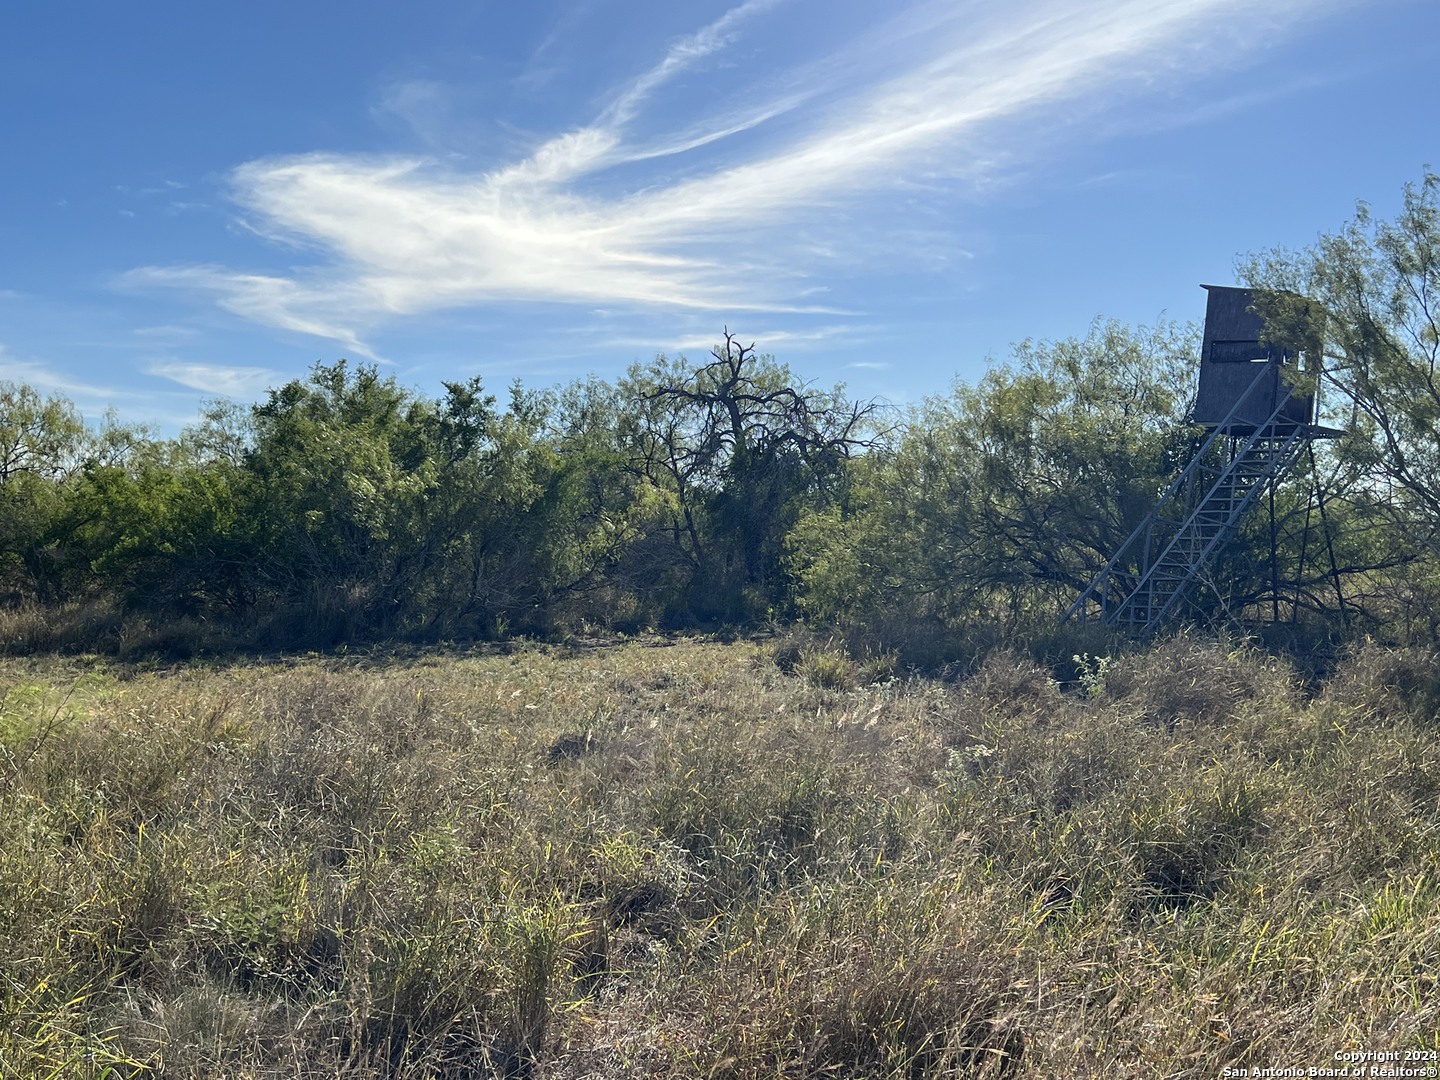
(680, 860)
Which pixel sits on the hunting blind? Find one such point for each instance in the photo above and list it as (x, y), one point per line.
(1259, 420)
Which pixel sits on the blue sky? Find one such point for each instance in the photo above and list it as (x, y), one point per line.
(204, 199)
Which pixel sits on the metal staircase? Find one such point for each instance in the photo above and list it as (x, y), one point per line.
(1149, 576)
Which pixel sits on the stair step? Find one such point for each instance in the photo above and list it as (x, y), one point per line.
(1182, 534)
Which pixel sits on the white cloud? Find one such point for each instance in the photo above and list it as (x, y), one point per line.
(401, 236)
(274, 301)
(681, 55)
(173, 408)
(700, 341)
(222, 379)
(93, 399)
(167, 332)
(45, 378)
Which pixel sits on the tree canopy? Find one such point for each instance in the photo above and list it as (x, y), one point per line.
(729, 491)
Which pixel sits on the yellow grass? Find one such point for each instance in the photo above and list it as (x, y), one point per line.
(678, 859)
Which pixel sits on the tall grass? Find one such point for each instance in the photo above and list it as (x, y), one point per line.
(682, 860)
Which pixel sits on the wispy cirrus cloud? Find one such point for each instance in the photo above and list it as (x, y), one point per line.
(767, 337)
(226, 380)
(319, 308)
(43, 377)
(95, 399)
(643, 210)
(166, 333)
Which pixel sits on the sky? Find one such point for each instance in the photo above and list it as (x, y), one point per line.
(203, 200)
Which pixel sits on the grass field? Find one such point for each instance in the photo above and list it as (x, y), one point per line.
(684, 859)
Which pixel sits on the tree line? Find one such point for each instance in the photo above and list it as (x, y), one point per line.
(730, 492)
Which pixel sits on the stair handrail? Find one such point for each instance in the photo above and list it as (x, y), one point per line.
(1236, 511)
(1103, 577)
